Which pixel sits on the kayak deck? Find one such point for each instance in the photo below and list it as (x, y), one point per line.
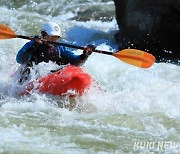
(70, 78)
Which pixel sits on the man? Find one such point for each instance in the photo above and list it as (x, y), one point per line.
(37, 51)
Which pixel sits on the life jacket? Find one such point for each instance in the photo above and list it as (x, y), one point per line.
(45, 53)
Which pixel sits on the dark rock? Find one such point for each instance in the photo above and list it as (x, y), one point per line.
(150, 25)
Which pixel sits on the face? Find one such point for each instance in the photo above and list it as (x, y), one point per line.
(51, 38)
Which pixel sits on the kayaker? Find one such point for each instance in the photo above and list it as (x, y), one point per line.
(37, 51)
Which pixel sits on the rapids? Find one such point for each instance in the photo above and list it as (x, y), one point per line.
(132, 110)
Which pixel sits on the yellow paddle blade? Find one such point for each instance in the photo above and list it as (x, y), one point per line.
(136, 57)
(6, 32)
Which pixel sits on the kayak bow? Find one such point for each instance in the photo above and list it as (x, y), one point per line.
(68, 80)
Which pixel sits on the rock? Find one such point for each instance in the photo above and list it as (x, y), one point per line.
(150, 25)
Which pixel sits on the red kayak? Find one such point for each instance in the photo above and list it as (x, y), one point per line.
(60, 83)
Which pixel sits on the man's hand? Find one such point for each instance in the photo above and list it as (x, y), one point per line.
(38, 39)
(89, 49)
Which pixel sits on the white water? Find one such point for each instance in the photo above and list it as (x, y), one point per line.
(133, 105)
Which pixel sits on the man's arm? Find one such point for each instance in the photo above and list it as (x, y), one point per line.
(26, 52)
(69, 57)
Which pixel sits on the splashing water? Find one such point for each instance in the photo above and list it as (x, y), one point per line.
(129, 108)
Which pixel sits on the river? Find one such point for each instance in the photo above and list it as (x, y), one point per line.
(135, 110)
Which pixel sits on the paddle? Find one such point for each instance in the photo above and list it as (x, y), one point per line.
(131, 56)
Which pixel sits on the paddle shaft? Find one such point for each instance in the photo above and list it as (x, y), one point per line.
(65, 44)
(13, 35)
